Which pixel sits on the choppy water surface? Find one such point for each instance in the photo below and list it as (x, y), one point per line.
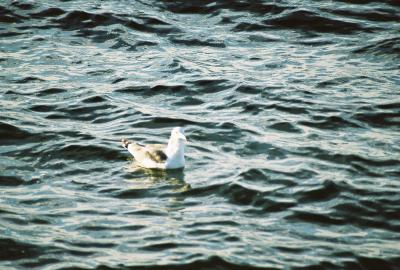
(292, 109)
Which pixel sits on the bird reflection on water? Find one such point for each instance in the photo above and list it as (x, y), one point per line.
(143, 178)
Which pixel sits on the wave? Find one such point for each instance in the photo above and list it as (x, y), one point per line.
(310, 21)
(83, 22)
(215, 7)
(9, 132)
(81, 152)
(330, 122)
(211, 262)
(10, 181)
(327, 191)
(197, 42)
(379, 15)
(388, 46)
(291, 115)
(11, 249)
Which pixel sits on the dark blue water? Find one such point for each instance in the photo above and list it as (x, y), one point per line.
(292, 110)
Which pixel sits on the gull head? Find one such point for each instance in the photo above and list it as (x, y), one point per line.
(178, 134)
(175, 150)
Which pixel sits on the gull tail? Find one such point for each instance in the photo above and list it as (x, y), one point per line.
(125, 143)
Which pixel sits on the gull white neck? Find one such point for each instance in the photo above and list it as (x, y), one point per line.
(176, 154)
(175, 147)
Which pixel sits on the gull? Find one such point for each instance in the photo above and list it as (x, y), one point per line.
(159, 156)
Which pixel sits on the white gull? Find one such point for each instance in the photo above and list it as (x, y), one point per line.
(159, 156)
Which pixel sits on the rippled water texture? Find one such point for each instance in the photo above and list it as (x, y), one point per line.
(291, 108)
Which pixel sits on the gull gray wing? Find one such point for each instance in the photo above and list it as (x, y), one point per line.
(156, 154)
(153, 152)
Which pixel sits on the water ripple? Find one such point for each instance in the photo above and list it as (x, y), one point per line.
(292, 117)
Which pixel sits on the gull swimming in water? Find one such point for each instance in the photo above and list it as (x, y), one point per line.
(159, 156)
